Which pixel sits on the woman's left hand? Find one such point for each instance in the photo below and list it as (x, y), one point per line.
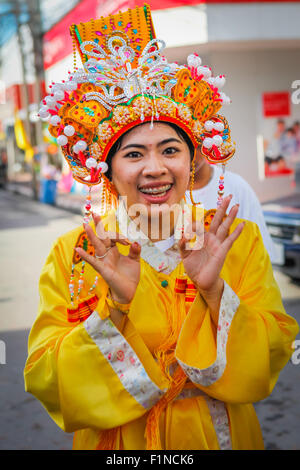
(203, 266)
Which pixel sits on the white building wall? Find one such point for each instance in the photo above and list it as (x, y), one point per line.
(253, 21)
(11, 70)
(227, 22)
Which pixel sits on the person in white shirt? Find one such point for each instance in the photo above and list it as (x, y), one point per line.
(205, 190)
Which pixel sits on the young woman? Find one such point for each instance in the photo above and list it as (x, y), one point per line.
(168, 342)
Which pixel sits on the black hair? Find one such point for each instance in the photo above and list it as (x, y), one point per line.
(290, 129)
(116, 146)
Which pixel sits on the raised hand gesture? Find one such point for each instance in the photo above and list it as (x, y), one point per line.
(203, 266)
(122, 273)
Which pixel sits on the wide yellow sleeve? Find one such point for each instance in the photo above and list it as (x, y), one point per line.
(240, 360)
(91, 374)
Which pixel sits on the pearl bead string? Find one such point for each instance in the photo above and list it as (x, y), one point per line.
(86, 219)
(221, 187)
(71, 285)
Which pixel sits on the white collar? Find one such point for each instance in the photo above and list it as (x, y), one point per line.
(164, 245)
(163, 256)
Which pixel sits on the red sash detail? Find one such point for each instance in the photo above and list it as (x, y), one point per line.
(83, 310)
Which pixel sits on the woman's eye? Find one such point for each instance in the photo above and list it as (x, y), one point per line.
(133, 155)
(170, 150)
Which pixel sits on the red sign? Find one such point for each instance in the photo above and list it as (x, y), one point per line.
(276, 104)
(15, 94)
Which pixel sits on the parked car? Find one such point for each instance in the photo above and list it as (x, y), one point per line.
(283, 221)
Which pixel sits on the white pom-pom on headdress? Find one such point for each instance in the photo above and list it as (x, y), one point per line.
(58, 95)
(225, 99)
(220, 81)
(193, 60)
(80, 146)
(208, 142)
(91, 162)
(62, 140)
(69, 131)
(217, 140)
(55, 120)
(205, 71)
(219, 126)
(211, 81)
(209, 125)
(103, 166)
(50, 101)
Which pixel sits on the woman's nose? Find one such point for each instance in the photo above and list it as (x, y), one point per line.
(154, 166)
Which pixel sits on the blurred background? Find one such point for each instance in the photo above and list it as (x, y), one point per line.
(256, 44)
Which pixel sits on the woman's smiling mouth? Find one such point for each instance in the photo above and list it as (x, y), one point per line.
(156, 192)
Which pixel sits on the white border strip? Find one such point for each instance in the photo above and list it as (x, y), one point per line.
(218, 415)
(219, 418)
(123, 360)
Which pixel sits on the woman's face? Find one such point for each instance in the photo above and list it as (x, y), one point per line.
(152, 166)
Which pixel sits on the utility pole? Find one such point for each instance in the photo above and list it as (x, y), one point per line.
(24, 78)
(35, 26)
(34, 132)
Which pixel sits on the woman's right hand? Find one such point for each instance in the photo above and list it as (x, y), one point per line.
(122, 273)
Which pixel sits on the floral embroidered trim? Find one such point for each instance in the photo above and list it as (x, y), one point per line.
(218, 414)
(220, 421)
(123, 360)
(190, 393)
(205, 377)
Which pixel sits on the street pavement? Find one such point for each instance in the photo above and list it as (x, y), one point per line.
(28, 230)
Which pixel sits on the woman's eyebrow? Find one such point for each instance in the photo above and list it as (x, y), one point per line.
(133, 145)
(166, 141)
(163, 142)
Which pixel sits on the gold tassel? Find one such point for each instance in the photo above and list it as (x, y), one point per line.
(152, 434)
(109, 196)
(165, 356)
(192, 182)
(108, 439)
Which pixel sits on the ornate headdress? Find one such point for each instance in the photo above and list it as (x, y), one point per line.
(125, 81)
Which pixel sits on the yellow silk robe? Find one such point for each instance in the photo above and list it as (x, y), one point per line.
(92, 377)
